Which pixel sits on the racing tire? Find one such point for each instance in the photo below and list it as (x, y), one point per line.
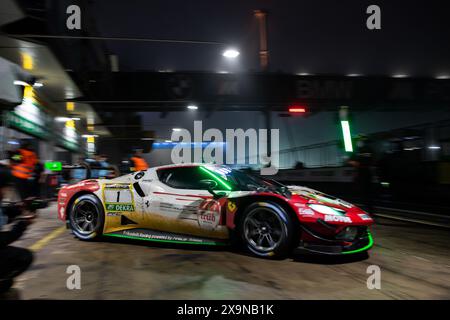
(87, 217)
(267, 230)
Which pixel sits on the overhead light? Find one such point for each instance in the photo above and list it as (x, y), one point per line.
(70, 106)
(65, 119)
(443, 77)
(176, 129)
(434, 147)
(297, 109)
(399, 76)
(412, 148)
(354, 75)
(231, 53)
(38, 84)
(192, 107)
(27, 61)
(20, 83)
(303, 74)
(62, 119)
(347, 136)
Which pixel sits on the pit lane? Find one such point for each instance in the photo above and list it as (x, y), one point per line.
(414, 261)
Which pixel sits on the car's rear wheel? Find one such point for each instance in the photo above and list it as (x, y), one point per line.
(87, 217)
(267, 230)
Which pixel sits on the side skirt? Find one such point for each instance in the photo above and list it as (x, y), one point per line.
(159, 236)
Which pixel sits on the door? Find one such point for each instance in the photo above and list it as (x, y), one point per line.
(184, 205)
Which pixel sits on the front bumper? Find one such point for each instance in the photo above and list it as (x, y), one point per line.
(361, 243)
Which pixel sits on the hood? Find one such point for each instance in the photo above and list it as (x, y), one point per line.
(314, 196)
(305, 198)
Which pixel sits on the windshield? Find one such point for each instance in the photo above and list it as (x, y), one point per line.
(244, 181)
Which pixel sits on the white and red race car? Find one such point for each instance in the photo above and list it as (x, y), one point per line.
(213, 205)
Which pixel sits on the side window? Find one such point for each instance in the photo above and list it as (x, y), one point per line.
(183, 178)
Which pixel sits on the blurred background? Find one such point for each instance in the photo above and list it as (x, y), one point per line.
(113, 86)
(97, 88)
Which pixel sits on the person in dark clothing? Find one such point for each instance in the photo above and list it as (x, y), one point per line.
(39, 180)
(13, 260)
(363, 160)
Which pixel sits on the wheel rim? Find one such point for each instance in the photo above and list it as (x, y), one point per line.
(263, 229)
(85, 217)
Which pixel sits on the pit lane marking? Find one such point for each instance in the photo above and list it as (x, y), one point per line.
(45, 240)
(388, 216)
(420, 258)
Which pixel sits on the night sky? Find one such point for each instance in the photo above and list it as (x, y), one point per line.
(317, 37)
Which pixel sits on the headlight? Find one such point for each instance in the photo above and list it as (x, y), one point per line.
(326, 210)
(348, 234)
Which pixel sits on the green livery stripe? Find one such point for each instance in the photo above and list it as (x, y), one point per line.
(120, 207)
(367, 247)
(209, 243)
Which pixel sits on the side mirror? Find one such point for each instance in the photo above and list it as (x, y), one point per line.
(210, 185)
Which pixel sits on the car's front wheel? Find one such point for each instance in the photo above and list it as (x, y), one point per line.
(267, 230)
(86, 217)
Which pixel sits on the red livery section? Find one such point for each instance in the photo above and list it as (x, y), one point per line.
(66, 194)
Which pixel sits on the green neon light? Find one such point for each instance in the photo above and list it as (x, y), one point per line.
(53, 166)
(347, 136)
(217, 178)
(209, 243)
(369, 245)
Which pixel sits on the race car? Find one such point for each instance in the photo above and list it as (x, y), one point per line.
(214, 205)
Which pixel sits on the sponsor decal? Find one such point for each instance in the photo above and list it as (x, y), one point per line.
(147, 234)
(118, 207)
(113, 214)
(119, 186)
(364, 216)
(139, 175)
(231, 206)
(161, 236)
(297, 204)
(209, 214)
(118, 197)
(333, 218)
(306, 211)
(61, 212)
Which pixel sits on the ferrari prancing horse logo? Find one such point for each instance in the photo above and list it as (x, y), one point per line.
(231, 206)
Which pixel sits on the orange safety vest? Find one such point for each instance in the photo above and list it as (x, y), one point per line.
(25, 168)
(139, 164)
